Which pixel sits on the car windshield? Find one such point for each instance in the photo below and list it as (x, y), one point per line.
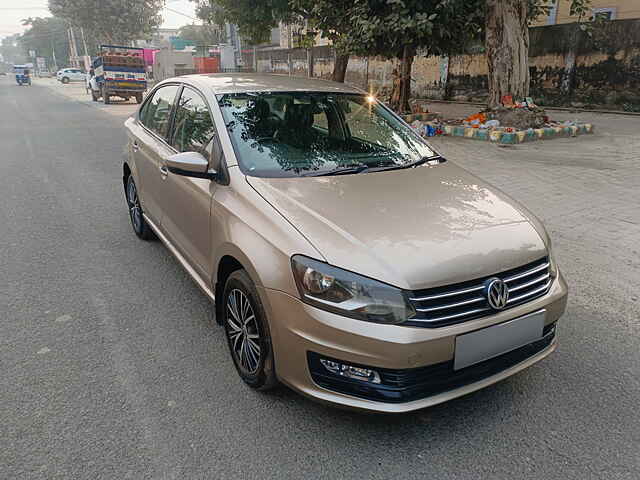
(282, 134)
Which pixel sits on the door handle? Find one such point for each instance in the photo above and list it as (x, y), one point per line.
(164, 171)
(135, 147)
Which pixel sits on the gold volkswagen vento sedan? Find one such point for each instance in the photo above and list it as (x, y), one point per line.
(345, 257)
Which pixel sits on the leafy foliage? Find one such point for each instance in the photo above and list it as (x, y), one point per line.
(537, 8)
(330, 17)
(390, 28)
(386, 27)
(10, 51)
(255, 18)
(50, 33)
(111, 21)
(201, 34)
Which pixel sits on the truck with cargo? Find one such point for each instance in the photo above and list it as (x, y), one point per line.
(119, 71)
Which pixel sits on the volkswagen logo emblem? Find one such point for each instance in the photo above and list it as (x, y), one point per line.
(497, 293)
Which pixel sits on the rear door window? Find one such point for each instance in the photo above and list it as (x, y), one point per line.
(193, 126)
(156, 113)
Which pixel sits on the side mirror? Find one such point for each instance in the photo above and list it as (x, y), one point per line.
(190, 164)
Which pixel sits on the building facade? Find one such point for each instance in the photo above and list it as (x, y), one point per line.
(609, 9)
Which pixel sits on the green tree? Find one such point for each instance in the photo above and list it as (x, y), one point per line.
(403, 28)
(111, 21)
(255, 18)
(400, 28)
(46, 35)
(11, 51)
(332, 19)
(201, 34)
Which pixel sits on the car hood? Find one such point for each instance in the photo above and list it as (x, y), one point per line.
(413, 228)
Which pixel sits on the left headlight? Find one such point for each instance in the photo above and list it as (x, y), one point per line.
(349, 294)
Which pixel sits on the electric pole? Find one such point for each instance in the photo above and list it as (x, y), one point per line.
(84, 43)
(73, 49)
(53, 54)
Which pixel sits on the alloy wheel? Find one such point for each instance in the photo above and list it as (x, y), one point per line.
(243, 331)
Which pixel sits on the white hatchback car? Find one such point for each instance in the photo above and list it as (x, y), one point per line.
(67, 75)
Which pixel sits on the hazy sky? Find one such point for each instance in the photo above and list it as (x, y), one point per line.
(12, 11)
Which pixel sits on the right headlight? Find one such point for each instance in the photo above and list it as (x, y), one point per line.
(349, 294)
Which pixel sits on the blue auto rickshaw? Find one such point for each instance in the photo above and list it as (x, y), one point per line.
(23, 74)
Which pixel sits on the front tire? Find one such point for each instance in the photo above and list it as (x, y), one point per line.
(65, 80)
(139, 224)
(247, 332)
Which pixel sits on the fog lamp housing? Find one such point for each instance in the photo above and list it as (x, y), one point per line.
(351, 371)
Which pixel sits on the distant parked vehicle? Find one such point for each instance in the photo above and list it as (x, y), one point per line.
(67, 75)
(119, 72)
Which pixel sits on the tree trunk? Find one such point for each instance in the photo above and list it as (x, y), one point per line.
(507, 44)
(310, 62)
(340, 68)
(568, 77)
(405, 85)
(402, 91)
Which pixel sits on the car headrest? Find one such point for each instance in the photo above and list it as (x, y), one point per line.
(259, 110)
(298, 116)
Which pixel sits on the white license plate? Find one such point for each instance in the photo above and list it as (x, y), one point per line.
(492, 341)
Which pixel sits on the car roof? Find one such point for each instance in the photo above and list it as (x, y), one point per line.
(262, 82)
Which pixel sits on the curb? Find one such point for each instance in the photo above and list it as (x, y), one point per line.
(501, 136)
(519, 136)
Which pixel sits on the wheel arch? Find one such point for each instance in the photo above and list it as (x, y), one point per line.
(229, 259)
(126, 172)
(128, 169)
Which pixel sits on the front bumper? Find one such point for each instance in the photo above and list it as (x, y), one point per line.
(419, 357)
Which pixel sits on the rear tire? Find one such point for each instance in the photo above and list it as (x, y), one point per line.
(105, 96)
(94, 97)
(247, 331)
(138, 98)
(139, 224)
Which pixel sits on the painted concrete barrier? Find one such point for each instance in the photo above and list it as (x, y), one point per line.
(512, 137)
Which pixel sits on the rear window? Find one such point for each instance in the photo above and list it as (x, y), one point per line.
(156, 113)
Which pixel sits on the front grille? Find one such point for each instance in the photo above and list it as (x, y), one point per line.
(407, 385)
(451, 304)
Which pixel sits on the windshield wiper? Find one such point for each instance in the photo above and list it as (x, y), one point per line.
(416, 163)
(361, 167)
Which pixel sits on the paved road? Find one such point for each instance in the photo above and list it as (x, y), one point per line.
(111, 367)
